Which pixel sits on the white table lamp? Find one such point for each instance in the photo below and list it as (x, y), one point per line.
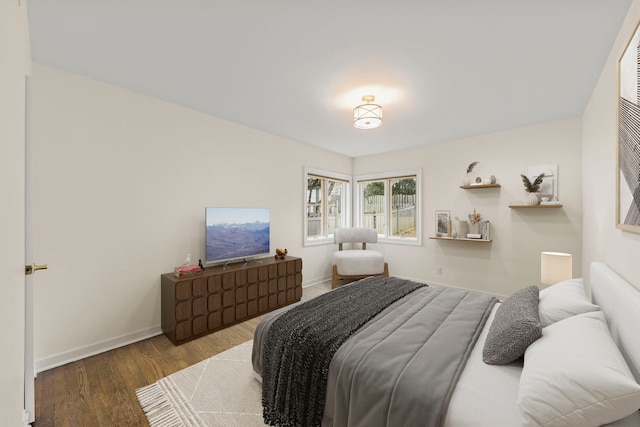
(555, 267)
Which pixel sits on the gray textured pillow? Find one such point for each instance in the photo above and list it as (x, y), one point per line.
(515, 326)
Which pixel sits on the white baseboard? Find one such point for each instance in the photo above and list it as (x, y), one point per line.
(74, 355)
(93, 349)
(316, 281)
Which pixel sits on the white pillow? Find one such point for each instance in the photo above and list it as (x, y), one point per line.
(562, 300)
(575, 376)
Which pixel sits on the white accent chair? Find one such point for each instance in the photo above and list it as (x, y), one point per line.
(356, 263)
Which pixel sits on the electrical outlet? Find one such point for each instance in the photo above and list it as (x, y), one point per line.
(439, 271)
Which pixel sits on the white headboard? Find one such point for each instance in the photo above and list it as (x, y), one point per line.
(620, 303)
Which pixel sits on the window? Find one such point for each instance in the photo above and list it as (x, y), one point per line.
(327, 198)
(390, 204)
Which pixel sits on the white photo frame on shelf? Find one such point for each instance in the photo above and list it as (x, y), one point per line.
(443, 223)
(549, 186)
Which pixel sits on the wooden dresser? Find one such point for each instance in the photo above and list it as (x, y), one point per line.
(193, 306)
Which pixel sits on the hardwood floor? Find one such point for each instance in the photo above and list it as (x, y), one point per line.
(100, 390)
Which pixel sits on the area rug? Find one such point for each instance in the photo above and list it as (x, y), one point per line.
(219, 391)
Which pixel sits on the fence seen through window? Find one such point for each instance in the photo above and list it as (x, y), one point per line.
(389, 206)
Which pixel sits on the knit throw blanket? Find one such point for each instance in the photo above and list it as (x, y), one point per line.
(300, 344)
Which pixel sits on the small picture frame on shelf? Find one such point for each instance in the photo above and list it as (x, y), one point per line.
(443, 223)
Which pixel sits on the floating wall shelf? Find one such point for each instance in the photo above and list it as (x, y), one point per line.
(535, 206)
(473, 187)
(460, 239)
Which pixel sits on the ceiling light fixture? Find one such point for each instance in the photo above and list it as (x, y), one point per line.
(367, 116)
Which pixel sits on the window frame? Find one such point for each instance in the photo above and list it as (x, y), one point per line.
(346, 212)
(387, 177)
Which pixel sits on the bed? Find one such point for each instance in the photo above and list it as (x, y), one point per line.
(582, 369)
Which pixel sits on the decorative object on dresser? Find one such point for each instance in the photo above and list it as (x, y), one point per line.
(187, 269)
(193, 306)
(354, 263)
(281, 253)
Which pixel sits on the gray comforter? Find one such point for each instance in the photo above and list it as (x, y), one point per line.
(401, 368)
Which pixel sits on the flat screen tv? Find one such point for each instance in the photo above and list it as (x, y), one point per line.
(234, 234)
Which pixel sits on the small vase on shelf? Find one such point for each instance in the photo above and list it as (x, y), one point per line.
(474, 222)
(532, 199)
(466, 181)
(531, 188)
(462, 227)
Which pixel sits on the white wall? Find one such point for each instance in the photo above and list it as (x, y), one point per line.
(14, 66)
(121, 182)
(602, 240)
(512, 260)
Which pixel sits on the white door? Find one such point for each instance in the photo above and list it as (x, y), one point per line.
(29, 371)
(30, 268)
(14, 65)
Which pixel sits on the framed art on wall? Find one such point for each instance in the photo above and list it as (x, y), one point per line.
(442, 223)
(628, 170)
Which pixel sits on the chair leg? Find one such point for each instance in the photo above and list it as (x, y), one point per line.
(334, 277)
(386, 270)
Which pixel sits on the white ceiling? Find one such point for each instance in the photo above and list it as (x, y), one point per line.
(442, 69)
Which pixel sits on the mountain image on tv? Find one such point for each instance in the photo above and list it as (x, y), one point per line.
(236, 233)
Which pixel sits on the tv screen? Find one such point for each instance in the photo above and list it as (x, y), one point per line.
(236, 233)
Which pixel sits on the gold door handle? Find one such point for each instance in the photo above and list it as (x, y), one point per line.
(30, 269)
